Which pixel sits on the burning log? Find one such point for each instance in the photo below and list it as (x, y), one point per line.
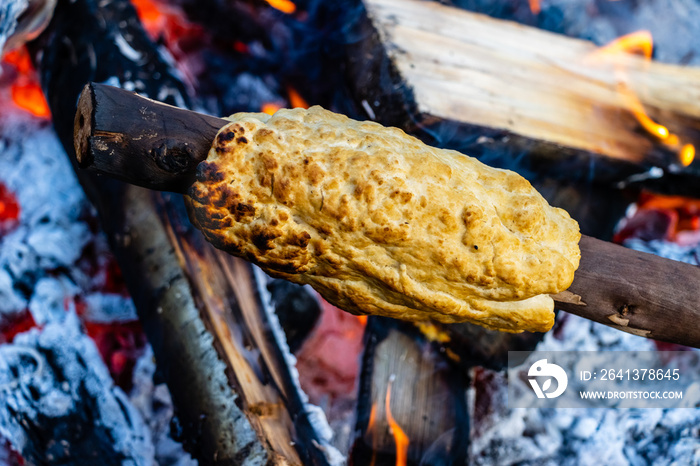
(484, 86)
(235, 397)
(635, 292)
(412, 405)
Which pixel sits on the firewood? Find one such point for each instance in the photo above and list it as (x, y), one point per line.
(486, 86)
(427, 400)
(636, 292)
(200, 308)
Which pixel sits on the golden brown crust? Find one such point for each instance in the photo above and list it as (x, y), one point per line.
(379, 223)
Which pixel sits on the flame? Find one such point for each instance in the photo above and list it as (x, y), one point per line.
(285, 6)
(642, 42)
(362, 319)
(400, 437)
(535, 6)
(370, 429)
(295, 99)
(687, 155)
(637, 109)
(270, 108)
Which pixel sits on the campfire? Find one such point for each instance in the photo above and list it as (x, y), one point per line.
(127, 338)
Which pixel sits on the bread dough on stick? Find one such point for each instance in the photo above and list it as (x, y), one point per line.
(382, 224)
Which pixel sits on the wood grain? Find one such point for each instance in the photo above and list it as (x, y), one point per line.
(476, 83)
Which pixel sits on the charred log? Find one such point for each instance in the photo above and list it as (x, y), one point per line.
(200, 308)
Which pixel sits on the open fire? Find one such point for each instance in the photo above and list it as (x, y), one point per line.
(63, 297)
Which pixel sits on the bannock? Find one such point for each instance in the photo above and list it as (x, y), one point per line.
(380, 223)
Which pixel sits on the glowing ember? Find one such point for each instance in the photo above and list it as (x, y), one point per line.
(669, 218)
(151, 17)
(19, 58)
(29, 96)
(270, 108)
(26, 91)
(400, 437)
(10, 327)
(9, 208)
(120, 344)
(295, 99)
(285, 6)
(535, 6)
(362, 319)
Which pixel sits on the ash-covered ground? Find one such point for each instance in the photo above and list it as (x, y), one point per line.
(78, 386)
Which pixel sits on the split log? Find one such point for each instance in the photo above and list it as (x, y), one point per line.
(235, 397)
(636, 292)
(427, 400)
(486, 86)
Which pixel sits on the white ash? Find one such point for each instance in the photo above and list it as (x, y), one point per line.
(689, 254)
(586, 436)
(54, 386)
(48, 301)
(40, 252)
(155, 405)
(39, 271)
(107, 307)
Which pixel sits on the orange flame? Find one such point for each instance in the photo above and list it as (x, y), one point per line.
(400, 437)
(270, 108)
(687, 155)
(535, 6)
(642, 42)
(362, 319)
(370, 429)
(295, 99)
(285, 6)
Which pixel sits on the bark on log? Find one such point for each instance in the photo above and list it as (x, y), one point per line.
(486, 86)
(236, 400)
(636, 292)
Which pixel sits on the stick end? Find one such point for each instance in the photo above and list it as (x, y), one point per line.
(82, 126)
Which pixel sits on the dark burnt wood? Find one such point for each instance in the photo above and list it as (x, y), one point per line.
(148, 143)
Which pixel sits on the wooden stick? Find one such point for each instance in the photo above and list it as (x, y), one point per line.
(636, 292)
(483, 86)
(144, 129)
